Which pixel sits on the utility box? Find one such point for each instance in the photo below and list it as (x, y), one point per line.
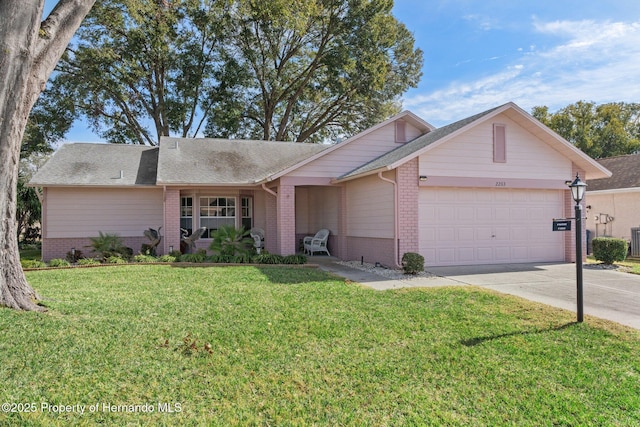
(635, 241)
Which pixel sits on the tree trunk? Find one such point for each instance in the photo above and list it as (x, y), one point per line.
(29, 52)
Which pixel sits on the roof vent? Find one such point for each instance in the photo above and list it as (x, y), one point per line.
(121, 174)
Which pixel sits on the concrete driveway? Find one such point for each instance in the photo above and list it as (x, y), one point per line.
(608, 294)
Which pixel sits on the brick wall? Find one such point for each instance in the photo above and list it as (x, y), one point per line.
(271, 223)
(171, 229)
(58, 247)
(408, 191)
(286, 221)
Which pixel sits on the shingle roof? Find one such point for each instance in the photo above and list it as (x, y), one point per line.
(100, 165)
(417, 144)
(626, 173)
(227, 162)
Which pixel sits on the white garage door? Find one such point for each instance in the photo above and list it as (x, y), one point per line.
(489, 226)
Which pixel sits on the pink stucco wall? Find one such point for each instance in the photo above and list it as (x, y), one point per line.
(372, 249)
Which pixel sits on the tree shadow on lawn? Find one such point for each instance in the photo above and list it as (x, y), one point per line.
(294, 274)
(476, 341)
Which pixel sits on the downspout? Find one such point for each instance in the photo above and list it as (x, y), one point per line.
(165, 248)
(273, 193)
(395, 217)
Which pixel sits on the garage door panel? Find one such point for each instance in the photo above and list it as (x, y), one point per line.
(502, 233)
(520, 252)
(484, 214)
(502, 213)
(503, 254)
(446, 234)
(446, 214)
(484, 233)
(466, 254)
(484, 254)
(446, 256)
(466, 213)
(481, 225)
(466, 233)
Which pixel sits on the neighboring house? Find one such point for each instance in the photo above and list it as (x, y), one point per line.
(614, 203)
(481, 190)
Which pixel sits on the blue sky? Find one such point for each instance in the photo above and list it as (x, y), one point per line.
(479, 54)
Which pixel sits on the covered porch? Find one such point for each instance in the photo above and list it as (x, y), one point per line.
(287, 212)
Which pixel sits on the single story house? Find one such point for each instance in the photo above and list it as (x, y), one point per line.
(614, 202)
(478, 191)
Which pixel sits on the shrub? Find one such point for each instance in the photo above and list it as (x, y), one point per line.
(268, 259)
(294, 259)
(167, 258)
(116, 260)
(107, 244)
(231, 241)
(412, 263)
(609, 249)
(196, 258)
(59, 262)
(145, 258)
(89, 261)
(32, 263)
(176, 254)
(74, 257)
(147, 249)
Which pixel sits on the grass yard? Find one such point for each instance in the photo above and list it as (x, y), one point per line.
(294, 346)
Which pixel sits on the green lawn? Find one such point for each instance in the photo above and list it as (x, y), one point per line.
(294, 346)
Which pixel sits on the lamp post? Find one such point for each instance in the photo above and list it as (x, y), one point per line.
(577, 192)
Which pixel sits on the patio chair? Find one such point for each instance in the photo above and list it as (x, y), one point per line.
(189, 242)
(257, 234)
(317, 243)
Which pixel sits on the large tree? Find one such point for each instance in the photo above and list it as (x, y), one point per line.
(604, 130)
(314, 70)
(29, 51)
(306, 70)
(141, 69)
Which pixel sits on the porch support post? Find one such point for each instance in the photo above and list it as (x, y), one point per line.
(286, 211)
(171, 229)
(342, 223)
(408, 194)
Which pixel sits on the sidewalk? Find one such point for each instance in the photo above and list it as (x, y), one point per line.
(378, 282)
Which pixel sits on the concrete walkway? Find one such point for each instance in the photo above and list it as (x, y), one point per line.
(608, 294)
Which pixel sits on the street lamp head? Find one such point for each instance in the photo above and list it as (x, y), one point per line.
(577, 189)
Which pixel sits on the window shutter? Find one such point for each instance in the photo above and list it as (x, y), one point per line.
(400, 131)
(499, 143)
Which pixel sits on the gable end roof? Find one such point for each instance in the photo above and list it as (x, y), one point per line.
(408, 149)
(418, 146)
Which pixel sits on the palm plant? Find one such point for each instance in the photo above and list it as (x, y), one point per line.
(107, 245)
(231, 241)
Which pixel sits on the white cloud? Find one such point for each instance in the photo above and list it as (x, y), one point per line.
(593, 61)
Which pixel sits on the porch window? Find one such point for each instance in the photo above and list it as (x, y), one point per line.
(247, 212)
(186, 213)
(216, 212)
